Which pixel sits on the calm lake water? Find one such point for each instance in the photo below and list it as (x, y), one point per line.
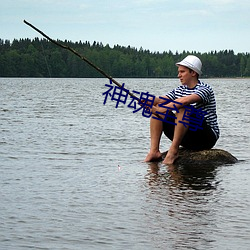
(72, 174)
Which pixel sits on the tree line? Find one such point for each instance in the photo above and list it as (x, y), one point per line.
(41, 58)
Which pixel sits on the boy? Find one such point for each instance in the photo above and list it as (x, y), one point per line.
(191, 101)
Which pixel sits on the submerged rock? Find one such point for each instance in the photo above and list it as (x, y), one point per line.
(204, 157)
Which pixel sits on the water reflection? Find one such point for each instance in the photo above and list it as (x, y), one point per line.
(183, 177)
(183, 197)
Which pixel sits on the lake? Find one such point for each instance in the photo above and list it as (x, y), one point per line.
(72, 173)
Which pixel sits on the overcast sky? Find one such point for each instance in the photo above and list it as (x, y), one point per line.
(157, 25)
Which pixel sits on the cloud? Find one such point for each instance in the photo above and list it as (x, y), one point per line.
(225, 5)
(149, 2)
(222, 2)
(83, 6)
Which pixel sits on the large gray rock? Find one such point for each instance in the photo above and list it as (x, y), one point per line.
(204, 157)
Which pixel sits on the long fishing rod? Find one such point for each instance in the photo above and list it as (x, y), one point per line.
(81, 56)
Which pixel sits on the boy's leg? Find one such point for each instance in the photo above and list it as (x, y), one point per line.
(179, 132)
(156, 128)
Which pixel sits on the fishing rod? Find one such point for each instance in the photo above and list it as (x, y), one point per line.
(80, 56)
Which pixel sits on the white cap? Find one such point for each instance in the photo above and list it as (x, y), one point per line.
(191, 62)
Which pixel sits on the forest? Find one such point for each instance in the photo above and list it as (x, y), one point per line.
(41, 58)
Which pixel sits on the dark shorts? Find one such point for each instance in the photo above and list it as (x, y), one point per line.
(197, 140)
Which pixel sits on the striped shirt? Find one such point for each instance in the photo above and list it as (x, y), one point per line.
(208, 104)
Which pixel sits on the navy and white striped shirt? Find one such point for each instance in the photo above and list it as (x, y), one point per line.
(208, 104)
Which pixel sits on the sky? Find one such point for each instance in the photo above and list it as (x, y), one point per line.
(155, 25)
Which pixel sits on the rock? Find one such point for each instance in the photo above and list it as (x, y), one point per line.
(213, 157)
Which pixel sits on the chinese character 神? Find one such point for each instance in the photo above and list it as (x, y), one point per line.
(120, 94)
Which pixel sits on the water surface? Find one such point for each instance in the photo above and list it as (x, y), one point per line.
(72, 175)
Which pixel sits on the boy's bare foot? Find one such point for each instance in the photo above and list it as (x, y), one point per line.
(153, 156)
(170, 157)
